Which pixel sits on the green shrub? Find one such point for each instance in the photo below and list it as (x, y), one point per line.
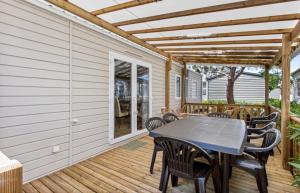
(295, 107)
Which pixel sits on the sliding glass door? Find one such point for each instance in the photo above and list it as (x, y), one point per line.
(123, 98)
(130, 93)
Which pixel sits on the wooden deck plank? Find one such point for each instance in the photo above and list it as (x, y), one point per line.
(126, 170)
(62, 183)
(28, 188)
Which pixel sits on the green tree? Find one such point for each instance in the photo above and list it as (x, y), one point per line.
(274, 80)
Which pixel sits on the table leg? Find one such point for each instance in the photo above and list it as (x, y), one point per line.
(225, 172)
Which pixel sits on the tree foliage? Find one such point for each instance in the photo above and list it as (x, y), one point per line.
(274, 80)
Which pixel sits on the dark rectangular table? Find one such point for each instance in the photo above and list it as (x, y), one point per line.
(226, 136)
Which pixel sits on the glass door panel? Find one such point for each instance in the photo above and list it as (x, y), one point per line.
(142, 85)
(123, 99)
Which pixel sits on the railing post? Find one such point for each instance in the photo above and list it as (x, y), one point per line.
(267, 77)
(285, 98)
(167, 76)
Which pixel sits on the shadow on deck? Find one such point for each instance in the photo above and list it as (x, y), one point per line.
(126, 169)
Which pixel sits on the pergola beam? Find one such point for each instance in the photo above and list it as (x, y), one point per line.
(293, 37)
(264, 53)
(295, 32)
(202, 10)
(122, 6)
(219, 42)
(226, 57)
(221, 35)
(256, 20)
(224, 48)
(96, 20)
(227, 61)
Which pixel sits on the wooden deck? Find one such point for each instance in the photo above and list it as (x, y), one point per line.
(126, 169)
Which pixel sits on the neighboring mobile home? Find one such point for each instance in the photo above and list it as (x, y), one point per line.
(249, 87)
(56, 75)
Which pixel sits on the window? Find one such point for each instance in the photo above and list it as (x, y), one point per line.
(177, 86)
(204, 88)
(298, 86)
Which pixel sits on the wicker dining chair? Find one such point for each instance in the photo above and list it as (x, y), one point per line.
(256, 165)
(170, 117)
(180, 161)
(219, 115)
(151, 124)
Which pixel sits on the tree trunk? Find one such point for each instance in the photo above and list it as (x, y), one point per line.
(230, 85)
(230, 96)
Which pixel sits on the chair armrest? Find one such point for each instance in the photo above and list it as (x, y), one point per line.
(262, 121)
(264, 149)
(255, 130)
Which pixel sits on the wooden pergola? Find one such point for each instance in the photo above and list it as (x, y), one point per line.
(266, 38)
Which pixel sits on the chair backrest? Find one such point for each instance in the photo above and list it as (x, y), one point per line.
(273, 117)
(271, 138)
(153, 123)
(219, 115)
(170, 117)
(180, 155)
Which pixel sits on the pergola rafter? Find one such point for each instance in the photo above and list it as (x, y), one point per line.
(222, 35)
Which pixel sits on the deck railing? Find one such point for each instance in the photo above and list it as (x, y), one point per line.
(294, 146)
(244, 112)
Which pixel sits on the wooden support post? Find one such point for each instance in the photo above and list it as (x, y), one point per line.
(267, 77)
(183, 77)
(285, 98)
(167, 76)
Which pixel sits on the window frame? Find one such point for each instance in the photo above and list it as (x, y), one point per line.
(180, 86)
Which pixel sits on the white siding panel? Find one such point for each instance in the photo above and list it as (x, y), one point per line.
(247, 88)
(34, 87)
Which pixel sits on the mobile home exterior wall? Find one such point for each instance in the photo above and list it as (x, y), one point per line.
(53, 70)
(248, 87)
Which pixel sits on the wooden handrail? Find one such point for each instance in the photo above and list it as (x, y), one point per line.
(11, 177)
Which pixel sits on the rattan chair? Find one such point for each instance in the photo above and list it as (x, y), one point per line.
(170, 117)
(151, 124)
(219, 115)
(255, 165)
(180, 161)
